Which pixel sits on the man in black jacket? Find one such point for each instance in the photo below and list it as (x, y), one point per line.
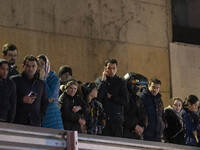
(7, 94)
(113, 94)
(153, 104)
(9, 53)
(32, 98)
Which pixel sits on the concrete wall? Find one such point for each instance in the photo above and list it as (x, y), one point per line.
(185, 69)
(83, 33)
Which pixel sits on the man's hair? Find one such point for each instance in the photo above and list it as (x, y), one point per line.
(64, 69)
(112, 61)
(8, 47)
(3, 61)
(192, 99)
(29, 58)
(155, 81)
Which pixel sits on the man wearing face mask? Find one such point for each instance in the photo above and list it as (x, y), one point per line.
(113, 94)
(9, 53)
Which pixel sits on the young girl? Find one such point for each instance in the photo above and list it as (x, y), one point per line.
(73, 108)
(191, 120)
(95, 120)
(174, 133)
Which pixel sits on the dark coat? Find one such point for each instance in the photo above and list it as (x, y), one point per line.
(95, 119)
(7, 100)
(113, 107)
(71, 119)
(191, 123)
(12, 71)
(30, 114)
(155, 113)
(174, 133)
(134, 114)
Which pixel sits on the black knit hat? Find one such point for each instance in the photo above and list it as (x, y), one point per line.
(64, 69)
(87, 88)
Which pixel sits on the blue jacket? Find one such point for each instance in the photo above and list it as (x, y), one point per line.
(191, 123)
(155, 113)
(53, 118)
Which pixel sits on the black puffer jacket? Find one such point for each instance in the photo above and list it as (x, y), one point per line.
(134, 114)
(30, 114)
(155, 113)
(7, 100)
(70, 118)
(174, 133)
(117, 88)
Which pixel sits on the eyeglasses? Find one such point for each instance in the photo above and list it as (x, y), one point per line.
(11, 55)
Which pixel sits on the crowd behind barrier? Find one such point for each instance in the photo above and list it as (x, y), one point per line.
(128, 107)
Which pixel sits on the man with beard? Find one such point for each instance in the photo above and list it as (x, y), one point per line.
(32, 100)
(9, 53)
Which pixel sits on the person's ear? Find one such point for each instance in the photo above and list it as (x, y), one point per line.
(3, 55)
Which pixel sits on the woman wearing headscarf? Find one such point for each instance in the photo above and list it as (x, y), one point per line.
(52, 118)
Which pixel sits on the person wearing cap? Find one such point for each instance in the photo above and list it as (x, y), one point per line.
(65, 74)
(7, 94)
(95, 120)
(52, 118)
(9, 53)
(73, 108)
(135, 118)
(113, 94)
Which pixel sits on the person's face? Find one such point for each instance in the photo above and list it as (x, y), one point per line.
(10, 57)
(193, 107)
(65, 76)
(71, 90)
(177, 106)
(93, 94)
(30, 68)
(111, 69)
(41, 64)
(4, 68)
(154, 88)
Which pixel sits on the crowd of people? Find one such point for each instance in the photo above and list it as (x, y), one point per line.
(129, 107)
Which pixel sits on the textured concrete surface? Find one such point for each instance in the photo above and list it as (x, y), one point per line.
(185, 69)
(84, 33)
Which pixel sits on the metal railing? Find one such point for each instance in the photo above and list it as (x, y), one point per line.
(20, 137)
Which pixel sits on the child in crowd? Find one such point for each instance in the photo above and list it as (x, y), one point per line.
(191, 120)
(73, 108)
(174, 133)
(95, 120)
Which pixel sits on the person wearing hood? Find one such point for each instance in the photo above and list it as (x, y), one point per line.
(52, 118)
(7, 94)
(174, 133)
(73, 108)
(153, 104)
(95, 120)
(113, 94)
